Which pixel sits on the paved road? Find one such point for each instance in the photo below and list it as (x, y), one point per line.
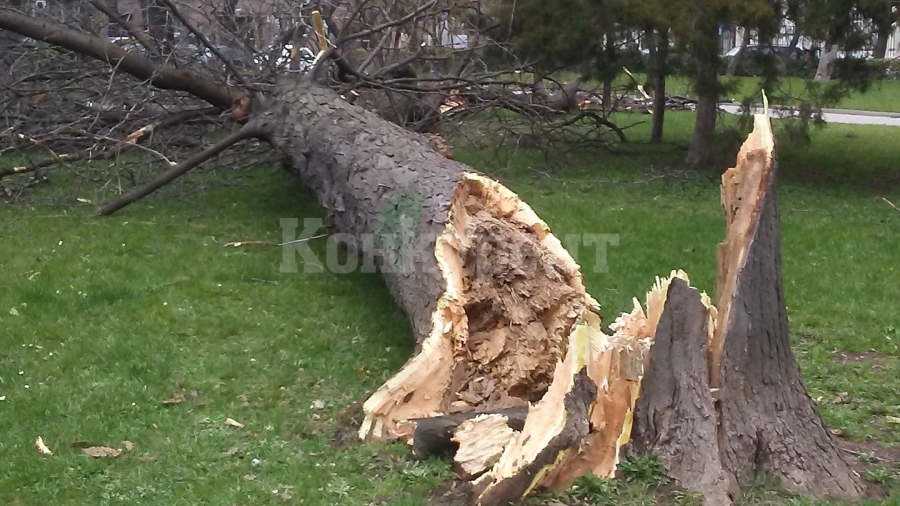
(834, 115)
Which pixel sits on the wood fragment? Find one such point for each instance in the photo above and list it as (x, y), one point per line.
(435, 435)
(482, 440)
(41, 447)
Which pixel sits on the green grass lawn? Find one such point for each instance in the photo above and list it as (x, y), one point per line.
(882, 96)
(145, 327)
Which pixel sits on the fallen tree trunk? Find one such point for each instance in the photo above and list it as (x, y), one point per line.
(480, 275)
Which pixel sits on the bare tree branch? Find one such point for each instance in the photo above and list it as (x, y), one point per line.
(206, 43)
(131, 63)
(247, 132)
(141, 37)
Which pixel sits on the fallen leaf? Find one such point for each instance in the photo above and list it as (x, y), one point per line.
(41, 447)
(234, 423)
(145, 458)
(177, 398)
(128, 445)
(13, 311)
(99, 452)
(319, 404)
(892, 419)
(836, 432)
(842, 398)
(83, 200)
(249, 477)
(285, 497)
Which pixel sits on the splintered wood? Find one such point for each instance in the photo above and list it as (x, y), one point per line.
(512, 296)
(481, 441)
(518, 383)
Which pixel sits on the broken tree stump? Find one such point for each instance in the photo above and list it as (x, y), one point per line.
(755, 414)
(675, 414)
(768, 421)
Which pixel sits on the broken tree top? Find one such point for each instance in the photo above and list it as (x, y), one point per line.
(515, 378)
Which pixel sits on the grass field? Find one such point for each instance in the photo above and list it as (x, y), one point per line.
(147, 328)
(882, 96)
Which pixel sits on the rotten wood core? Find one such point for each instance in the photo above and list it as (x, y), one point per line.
(512, 296)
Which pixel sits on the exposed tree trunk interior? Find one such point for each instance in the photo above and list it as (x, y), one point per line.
(767, 420)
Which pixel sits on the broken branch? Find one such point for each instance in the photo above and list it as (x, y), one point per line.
(247, 132)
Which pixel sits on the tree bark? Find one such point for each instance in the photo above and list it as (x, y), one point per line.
(609, 74)
(706, 81)
(439, 233)
(675, 410)
(767, 419)
(659, 66)
(826, 64)
(760, 418)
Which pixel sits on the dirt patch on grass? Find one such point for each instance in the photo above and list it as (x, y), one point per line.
(867, 456)
(845, 357)
(451, 493)
(348, 423)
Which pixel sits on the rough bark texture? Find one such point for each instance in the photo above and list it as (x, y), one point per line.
(706, 54)
(377, 182)
(674, 416)
(659, 63)
(767, 419)
(485, 338)
(760, 418)
(491, 294)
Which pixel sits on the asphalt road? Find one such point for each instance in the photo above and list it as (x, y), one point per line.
(833, 115)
